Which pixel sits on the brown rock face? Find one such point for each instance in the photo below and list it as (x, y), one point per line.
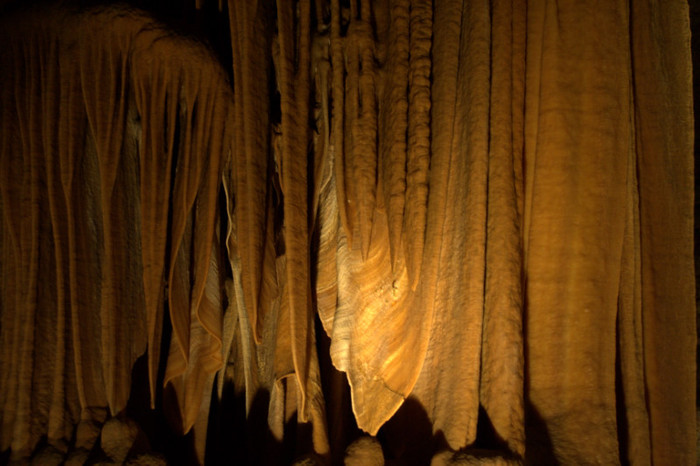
(118, 437)
(364, 451)
(246, 231)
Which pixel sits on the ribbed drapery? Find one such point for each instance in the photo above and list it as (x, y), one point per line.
(479, 212)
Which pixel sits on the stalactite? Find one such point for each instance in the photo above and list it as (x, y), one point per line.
(351, 115)
(321, 70)
(115, 155)
(364, 133)
(486, 206)
(418, 156)
(85, 169)
(456, 219)
(502, 355)
(394, 126)
(325, 217)
(562, 274)
(251, 68)
(295, 48)
(338, 70)
(361, 127)
(202, 131)
(663, 112)
(156, 172)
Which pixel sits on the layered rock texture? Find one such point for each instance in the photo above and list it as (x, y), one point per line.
(462, 227)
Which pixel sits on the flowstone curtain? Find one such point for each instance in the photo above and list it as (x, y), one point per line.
(114, 133)
(484, 207)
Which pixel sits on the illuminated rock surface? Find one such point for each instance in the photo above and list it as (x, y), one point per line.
(464, 228)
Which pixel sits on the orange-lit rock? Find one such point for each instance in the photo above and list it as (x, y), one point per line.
(248, 232)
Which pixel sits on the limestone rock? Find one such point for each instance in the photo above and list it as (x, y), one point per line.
(365, 451)
(118, 437)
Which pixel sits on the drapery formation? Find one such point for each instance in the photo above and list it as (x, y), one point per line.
(487, 205)
(113, 140)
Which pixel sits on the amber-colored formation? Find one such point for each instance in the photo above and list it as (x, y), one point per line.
(485, 205)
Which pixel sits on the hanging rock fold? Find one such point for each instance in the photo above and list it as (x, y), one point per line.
(462, 227)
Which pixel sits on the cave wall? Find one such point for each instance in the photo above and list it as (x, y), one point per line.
(404, 231)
